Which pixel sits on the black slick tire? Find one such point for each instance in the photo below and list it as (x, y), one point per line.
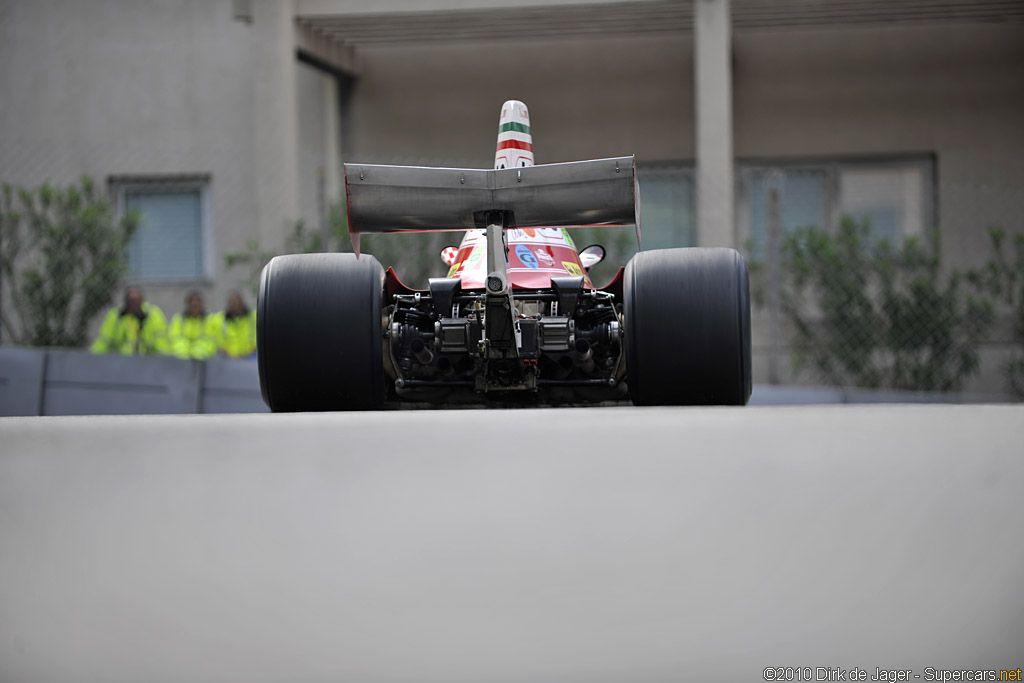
(687, 327)
(318, 329)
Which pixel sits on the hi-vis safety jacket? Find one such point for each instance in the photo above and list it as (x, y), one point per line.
(192, 337)
(124, 333)
(237, 333)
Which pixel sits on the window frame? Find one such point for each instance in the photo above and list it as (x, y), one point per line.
(685, 169)
(833, 168)
(123, 185)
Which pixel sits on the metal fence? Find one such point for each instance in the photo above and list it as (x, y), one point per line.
(858, 289)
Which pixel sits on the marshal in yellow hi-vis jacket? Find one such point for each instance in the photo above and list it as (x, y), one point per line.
(237, 328)
(135, 328)
(194, 334)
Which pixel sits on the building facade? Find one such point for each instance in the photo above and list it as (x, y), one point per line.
(225, 122)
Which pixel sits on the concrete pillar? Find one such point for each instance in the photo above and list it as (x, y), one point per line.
(276, 127)
(712, 46)
(332, 139)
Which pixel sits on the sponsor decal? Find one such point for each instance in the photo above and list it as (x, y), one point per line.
(544, 257)
(454, 269)
(551, 237)
(572, 268)
(526, 256)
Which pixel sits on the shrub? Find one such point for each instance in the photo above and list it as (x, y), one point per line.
(63, 254)
(1002, 278)
(872, 314)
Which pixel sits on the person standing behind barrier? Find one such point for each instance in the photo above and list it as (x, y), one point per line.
(194, 334)
(237, 328)
(137, 328)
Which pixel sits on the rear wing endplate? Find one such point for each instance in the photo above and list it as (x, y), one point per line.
(416, 199)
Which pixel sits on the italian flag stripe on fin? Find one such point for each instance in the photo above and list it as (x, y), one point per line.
(514, 126)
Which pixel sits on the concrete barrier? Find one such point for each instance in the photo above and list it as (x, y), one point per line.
(231, 386)
(80, 383)
(74, 382)
(767, 395)
(772, 395)
(71, 382)
(21, 381)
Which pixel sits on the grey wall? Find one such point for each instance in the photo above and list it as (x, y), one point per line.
(956, 91)
(439, 104)
(319, 143)
(165, 87)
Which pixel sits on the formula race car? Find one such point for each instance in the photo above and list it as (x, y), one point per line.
(517, 319)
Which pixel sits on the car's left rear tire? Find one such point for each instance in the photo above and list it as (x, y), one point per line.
(319, 332)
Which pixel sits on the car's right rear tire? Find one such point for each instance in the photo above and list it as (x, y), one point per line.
(319, 333)
(687, 327)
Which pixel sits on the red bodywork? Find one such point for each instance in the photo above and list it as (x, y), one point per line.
(535, 255)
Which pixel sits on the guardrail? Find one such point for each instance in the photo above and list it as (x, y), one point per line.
(67, 382)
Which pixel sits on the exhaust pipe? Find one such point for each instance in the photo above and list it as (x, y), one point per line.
(424, 355)
(583, 356)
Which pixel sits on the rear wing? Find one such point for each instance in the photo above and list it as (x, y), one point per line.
(416, 199)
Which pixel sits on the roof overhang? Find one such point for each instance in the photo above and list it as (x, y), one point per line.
(446, 22)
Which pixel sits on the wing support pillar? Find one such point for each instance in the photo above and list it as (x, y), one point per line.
(501, 331)
(499, 349)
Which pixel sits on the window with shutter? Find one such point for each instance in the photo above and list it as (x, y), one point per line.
(170, 242)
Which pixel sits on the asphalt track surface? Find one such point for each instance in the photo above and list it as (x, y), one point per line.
(614, 544)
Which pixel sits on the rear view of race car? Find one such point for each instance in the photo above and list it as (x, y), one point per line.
(517, 319)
